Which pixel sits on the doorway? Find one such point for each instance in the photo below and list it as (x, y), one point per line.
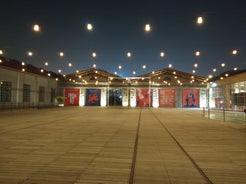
(115, 97)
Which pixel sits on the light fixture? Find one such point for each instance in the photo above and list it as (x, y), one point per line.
(61, 54)
(89, 27)
(36, 28)
(199, 20)
(162, 54)
(147, 27)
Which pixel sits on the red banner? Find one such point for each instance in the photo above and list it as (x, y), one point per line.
(190, 98)
(143, 97)
(166, 97)
(71, 97)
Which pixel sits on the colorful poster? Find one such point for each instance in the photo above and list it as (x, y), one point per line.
(144, 97)
(71, 97)
(167, 98)
(190, 98)
(93, 97)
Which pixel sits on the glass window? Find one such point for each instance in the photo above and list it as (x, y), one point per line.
(26, 92)
(5, 91)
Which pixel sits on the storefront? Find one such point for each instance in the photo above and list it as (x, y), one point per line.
(228, 91)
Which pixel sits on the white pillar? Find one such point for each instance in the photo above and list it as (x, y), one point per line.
(82, 97)
(103, 97)
(133, 100)
(155, 97)
(125, 97)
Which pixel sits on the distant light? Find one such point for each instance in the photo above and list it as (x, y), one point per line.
(70, 64)
(235, 68)
(115, 73)
(30, 53)
(210, 76)
(89, 27)
(56, 79)
(147, 28)
(133, 72)
(214, 70)
(197, 53)
(77, 71)
(170, 65)
(1, 52)
(162, 54)
(1, 61)
(49, 74)
(193, 71)
(36, 28)
(23, 63)
(221, 78)
(174, 72)
(59, 71)
(199, 20)
(94, 65)
(129, 54)
(195, 65)
(120, 67)
(144, 66)
(234, 52)
(94, 54)
(226, 74)
(61, 54)
(23, 69)
(46, 63)
(153, 72)
(41, 70)
(222, 64)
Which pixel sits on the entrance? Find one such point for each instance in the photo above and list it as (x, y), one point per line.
(115, 97)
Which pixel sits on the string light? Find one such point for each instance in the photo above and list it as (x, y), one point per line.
(199, 20)
(30, 53)
(147, 27)
(89, 27)
(36, 28)
(61, 54)
(162, 54)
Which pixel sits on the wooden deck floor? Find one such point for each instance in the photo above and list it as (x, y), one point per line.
(97, 145)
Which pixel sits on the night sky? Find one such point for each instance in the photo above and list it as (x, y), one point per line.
(118, 27)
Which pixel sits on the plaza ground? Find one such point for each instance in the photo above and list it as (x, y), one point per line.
(114, 145)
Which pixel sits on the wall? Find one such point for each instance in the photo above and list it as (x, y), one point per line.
(18, 79)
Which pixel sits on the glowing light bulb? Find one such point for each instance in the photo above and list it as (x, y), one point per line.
(61, 54)
(197, 53)
(94, 54)
(129, 54)
(234, 52)
(30, 53)
(199, 20)
(89, 27)
(36, 28)
(147, 28)
(162, 54)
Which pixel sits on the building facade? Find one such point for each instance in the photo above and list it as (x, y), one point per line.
(228, 91)
(163, 88)
(24, 85)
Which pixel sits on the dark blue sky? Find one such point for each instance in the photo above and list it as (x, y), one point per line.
(119, 27)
